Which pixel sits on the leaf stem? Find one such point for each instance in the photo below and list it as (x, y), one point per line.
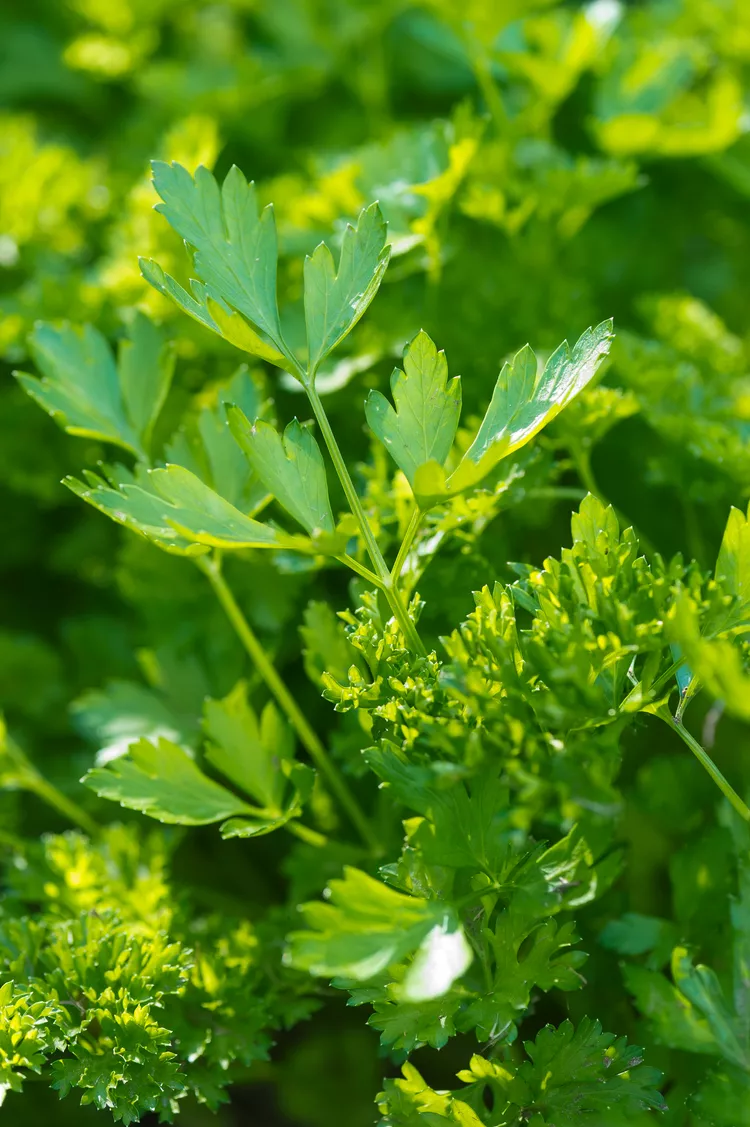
(55, 798)
(212, 570)
(706, 762)
(411, 531)
(380, 566)
(32, 780)
(482, 68)
(360, 569)
(306, 833)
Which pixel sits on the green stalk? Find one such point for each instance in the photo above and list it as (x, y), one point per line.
(306, 833)
(33, 781)
(411, 531)
(361, 570)
(480, 64)
(706, 762)
(55, 798)
(212, 570)
(378, 562)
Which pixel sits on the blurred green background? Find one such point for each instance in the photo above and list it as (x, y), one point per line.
(542, 165)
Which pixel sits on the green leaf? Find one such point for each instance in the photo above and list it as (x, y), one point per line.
(571, 1075)
(234, 328)
(423, 424)
(365, 927)
(160, 779)
(299, 789)
(523, 402)
(145, 367)
(733, 573)
(123, 712)
(335, 300)
(717, 664)
(205, 446)
(248, 749)
(235, 245)
(291, 468)
(92, 396)
(177, 511)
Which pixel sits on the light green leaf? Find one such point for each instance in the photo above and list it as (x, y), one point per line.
(123, 712)
(733, 573)
(234, 328)
(300, 785)
(700, 985)
(161, 780)
(427, 408)
(247, 749)
(442, 957)
(335, 301)
(326, 646)
(205, 446)
(235, 246)
(145, 367)
(523, 402)
(200, 514)
(92, 396)
(130, 501)
(181, 514)
(365, 927)
(717, 664)
(291, 468)
(195, 304)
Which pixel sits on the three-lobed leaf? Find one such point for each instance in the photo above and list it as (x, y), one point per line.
(255, 754)
(235, 252)
(162, 780)
(92, 395)
(523, 402)
(365, 927)
(291, 467)
(422, 424)
(176, 510)
(235, 244)
(336, 299)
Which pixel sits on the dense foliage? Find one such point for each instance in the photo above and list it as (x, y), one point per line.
(411, 710)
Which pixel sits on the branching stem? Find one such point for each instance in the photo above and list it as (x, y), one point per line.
(411, 531)
(33, 781)
(706, 762)
(211, 568)
(378, 562)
